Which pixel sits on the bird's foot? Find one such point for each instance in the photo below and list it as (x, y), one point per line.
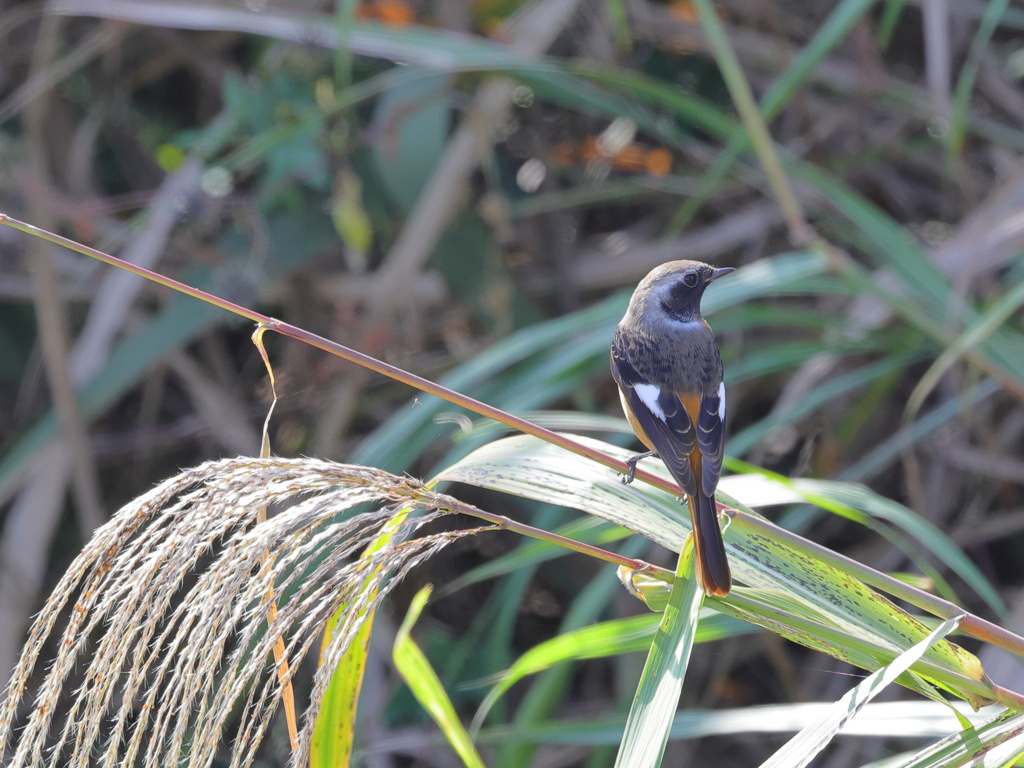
(631, 463)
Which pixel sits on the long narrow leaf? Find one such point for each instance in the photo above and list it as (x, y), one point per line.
(334, 731)
(802, 748)
(419, 675)
(423, 681)
(825, 608)
(894, 719)
(998, 743)
(598, 641)
(657, 697)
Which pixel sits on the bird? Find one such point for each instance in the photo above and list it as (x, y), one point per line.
(668, 368)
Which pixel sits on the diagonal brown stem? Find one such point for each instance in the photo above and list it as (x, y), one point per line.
(972, 625)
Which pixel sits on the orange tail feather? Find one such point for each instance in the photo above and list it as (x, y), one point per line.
(713, 572)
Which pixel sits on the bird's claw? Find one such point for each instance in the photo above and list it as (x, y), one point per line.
(632, 462)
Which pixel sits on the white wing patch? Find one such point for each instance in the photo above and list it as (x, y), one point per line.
(721, 401)
(648, 394)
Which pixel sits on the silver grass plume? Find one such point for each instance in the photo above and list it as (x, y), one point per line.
(166, 665)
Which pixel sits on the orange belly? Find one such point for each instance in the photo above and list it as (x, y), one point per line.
(637, 429)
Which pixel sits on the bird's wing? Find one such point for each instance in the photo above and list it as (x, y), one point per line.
(664, 420)
(711, 439)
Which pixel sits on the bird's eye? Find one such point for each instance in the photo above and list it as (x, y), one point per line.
(690, 280)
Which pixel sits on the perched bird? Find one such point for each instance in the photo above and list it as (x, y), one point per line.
(669, 370)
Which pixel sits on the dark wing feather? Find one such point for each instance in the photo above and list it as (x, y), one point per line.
(672, 437)
(711, 439)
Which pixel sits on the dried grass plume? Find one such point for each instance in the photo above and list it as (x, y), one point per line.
(166, 611)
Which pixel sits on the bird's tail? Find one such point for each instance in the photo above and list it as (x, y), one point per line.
(713, 573)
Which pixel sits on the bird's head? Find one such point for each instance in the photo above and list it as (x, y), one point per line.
(675, 289)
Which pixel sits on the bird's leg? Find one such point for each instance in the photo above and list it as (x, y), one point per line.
(631, 462)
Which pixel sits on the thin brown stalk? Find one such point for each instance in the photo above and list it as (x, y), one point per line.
(973, 625)
(280, 653)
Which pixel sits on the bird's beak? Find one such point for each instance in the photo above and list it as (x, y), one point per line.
(719, 272)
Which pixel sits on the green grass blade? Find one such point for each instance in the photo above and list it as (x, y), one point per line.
(860, 503)
(609, 638)
(419, 675)
(824, 607)
(806, 745)
(657, 697)
(925, 297)
(895, 719)
(887, 24)
(334, 730)
(882, 457)
(405, 436)
(994, 11)
(753, 121)
(746, 439)
(552, 686)
(998, 743)
(835, 29)
(932, 538)
(985, 326)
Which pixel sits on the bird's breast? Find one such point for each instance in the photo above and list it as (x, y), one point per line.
(682, 357)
